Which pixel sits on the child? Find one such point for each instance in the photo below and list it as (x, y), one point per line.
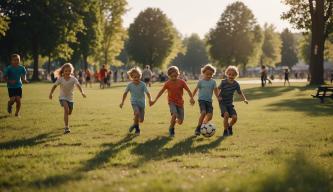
(227, 88)
(137, 89)
(103, 77)
(66, 80)
(286, 77)
(175, 88)
(206, 86)
(14, 75)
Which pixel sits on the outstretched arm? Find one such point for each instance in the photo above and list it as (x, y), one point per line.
(241, 94)
(217, 92)
(158, 95)
(124, 97)
(52, 90)
(81, 91)
(24, 79)
(195, 91)
(149, 98)
(189, 94)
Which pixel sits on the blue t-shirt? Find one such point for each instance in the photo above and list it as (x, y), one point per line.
(14, 73)
(137, 93)
(206, 88)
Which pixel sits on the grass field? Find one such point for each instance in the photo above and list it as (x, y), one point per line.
(282, 142)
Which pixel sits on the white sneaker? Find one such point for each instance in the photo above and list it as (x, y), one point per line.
(67, 130)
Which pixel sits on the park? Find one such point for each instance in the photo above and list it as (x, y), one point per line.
(282, 140)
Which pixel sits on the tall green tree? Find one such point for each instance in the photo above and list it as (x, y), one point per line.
(271, 47)
(152, 38)
(114, 34)
(235, 38)
(4, 24)
(288, 49)
(195, 55)
(314, 16)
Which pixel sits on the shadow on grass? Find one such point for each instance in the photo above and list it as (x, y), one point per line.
(4, 116)
(27, 142)
(310, 106)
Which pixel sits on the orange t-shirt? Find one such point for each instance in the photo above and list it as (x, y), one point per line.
(175, 91)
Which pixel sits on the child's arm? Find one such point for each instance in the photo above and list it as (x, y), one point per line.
(52, 90)
(81, 91)
(195, 91)
(124, 97)
(241, 94)
(158, 95)
(24, 79)
(149, 97)
(190, 94)
(217, 92)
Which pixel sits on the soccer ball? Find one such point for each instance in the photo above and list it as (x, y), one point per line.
(207, 130)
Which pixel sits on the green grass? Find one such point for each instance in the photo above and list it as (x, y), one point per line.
(283, 141)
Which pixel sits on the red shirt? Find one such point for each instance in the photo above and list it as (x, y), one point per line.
(175, 91)
(102, 73)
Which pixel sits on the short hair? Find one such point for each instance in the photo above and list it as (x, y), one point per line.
(208, 67)
(232, 68)
(134, 70)
(173, 69)
(15, 55)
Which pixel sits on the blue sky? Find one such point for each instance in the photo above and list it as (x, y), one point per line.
(198, 16)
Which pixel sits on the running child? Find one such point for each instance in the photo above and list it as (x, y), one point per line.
(175, 87)
(14, 75)
(137, 88)
(66, 80)
(286, 77)
(227, 88)
(206, 87)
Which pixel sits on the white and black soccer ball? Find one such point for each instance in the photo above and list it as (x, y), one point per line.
(207, 130)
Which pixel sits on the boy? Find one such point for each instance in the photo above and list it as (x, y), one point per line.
(175, 87)
(227, 88)
(14, 75)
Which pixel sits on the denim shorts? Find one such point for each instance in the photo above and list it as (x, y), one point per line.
(176, 110)
(70, 104)
(140, 110)
(205, 106)
(227, 108)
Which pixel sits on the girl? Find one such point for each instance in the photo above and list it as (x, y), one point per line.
(175, 87)
(206, 86)
(137, 89)
(66, 80)
(227, 88)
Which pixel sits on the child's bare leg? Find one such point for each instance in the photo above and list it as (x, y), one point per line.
(201, 118)
(179, 121)
(233, 120)
(173, 121)
(70, 111)
(66, 112)
(10, 104)
(208, 117)
(136, 118)
(18, 105)
(226, 119)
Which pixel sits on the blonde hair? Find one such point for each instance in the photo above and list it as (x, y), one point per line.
(60, 72)
(233, 68)
(208, 67)
(173, 69)
(134, 70)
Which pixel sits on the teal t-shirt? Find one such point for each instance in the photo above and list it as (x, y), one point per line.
(137, 93)
(14, 73)
(206, 88)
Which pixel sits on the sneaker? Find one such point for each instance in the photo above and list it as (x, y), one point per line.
(230, 130)
(67, 130)
(197, 131)
(137, 130)
(9, 108)
(225, 133)
(171, 132)
(131, 128)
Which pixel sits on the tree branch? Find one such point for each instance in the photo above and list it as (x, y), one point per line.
(311, 8)
(329, 11)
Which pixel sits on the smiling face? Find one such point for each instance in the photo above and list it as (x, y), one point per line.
(15, 61)
(67, 71)
(231, 75)
(173, 76)
(208, 74)
(135, 76)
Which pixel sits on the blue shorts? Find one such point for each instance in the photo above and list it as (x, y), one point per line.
(15, 92)
(227, 108)
(140, 110)
(205, 106)
(70, 104)
(176, 110)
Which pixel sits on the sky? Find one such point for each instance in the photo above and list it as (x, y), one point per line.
(199, 16)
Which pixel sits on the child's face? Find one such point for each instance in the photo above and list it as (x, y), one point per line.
(15, 61)
(67, 71)
(135, 77)
(231, 74)
(208, 74)
(173, 76)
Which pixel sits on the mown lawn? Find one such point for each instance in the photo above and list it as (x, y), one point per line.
(282, 142)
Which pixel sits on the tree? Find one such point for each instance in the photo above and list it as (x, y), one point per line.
(152, 39)
(271, 47)
(114, 34)
(4, 21)
(234, 39)
(316, 17)
(195, 55)
(304, 48)
(288, 50)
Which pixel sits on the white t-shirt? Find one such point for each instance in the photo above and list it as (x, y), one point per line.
(66, 88)
(147, 73)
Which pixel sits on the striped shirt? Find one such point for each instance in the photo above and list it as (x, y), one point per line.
(227, 91)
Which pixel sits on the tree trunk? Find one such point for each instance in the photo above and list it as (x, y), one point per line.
(35, 55)
(317, 44)
(85, 62)
(49, 64)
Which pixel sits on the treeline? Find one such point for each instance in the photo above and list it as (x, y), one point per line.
(91, 31)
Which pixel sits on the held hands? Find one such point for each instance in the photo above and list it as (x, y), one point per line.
(192, 101)
(246, 101)
(50, 96)
(121, 105)
(83, 95)
(219, 98)
(24, 81)
(151, 103)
